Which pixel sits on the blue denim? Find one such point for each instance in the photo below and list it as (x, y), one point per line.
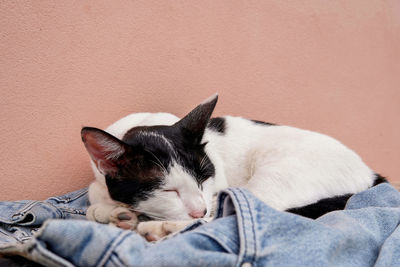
(20, 219)
(245, 230)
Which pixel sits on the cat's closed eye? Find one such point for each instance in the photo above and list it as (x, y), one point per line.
(172, 191)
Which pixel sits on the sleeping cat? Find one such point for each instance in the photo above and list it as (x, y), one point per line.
(171, 169)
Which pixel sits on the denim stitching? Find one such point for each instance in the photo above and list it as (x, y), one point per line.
(115, 253)
(6, 233)
(244, 223)
(29, 206)
(48, 255)
(68, 199)
(244, 232)
(73, 211)
(253, 225)
(57, 210)
(109, 248)
(192, 226)
(23, 211)
(216, 240)
(116, 260)
(25, 208)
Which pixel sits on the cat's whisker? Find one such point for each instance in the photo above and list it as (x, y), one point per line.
(159, 161)
(202, 162)
(205, 166)
(162, 167)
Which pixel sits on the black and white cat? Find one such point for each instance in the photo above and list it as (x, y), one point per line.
(171, 169)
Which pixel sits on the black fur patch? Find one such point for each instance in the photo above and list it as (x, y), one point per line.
(321, 207)
(263, 123)
(190, 156)
(196, 162)
(139, 174)
(326, 205)
(217, 125)
(379, 179)
(193, 125)
(132, 191)
(141, 168)
(153, 151)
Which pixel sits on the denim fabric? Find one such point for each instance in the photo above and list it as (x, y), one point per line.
(20, 219)
(245, 231)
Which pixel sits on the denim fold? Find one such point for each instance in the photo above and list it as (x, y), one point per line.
(244, 232)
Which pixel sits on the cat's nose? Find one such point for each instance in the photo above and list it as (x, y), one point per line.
(198, 214)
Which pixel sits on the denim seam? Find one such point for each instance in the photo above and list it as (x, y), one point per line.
(29, 206)
(73, 211)
(48, 255)
(25, 208)
(8, 234)
(240, 229)
(116, 260)
(110, 248)
(68, 200)
(56, 209)
(217, 240)
(115, 253)
(36, 245)
(242, 226)
(252, 224)
(192, 226)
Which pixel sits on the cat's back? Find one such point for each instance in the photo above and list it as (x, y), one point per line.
(243, 134)
(120, 127)
(247, 146)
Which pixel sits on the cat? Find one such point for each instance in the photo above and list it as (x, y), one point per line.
(171, 169)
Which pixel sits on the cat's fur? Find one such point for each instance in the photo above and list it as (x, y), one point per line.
(170, 169)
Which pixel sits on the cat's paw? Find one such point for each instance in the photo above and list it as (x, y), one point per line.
(112, 214)
(123, 218)
(99, 212)
(156, 230)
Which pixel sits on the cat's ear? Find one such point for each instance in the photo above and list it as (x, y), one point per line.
(104, 149)
(194, 123)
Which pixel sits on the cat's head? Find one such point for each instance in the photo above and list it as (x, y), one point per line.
(161, 171)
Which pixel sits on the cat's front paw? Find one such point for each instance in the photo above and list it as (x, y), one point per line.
(112, 214)
(99, 212)
(156, 230)
(123, 218)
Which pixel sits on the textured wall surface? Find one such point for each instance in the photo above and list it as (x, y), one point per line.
(328, 66)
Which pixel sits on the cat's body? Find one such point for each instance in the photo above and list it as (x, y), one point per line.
(184, 165)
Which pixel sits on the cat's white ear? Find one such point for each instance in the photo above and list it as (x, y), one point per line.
(104, 149)
(194, 123)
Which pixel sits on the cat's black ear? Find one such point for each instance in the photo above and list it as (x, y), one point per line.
(104, 149)
(194, 123)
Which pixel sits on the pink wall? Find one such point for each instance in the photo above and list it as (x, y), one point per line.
(329, 66)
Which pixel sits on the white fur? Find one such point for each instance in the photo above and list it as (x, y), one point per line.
(168, 205)
(284, 166)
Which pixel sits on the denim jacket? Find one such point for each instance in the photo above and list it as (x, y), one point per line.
(246, 232)
(20, 219)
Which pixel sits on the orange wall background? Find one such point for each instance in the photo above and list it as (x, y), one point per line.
(328, 66)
